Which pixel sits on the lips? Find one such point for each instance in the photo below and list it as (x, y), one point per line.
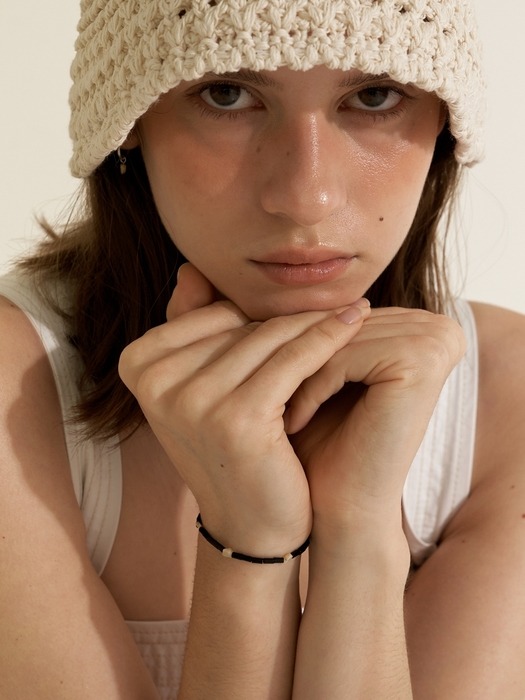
(299, 267)
(297, 256)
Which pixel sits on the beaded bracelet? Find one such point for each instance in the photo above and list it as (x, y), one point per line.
(230, 554)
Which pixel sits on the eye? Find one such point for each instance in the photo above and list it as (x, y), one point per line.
(375, 99)
(227, 96)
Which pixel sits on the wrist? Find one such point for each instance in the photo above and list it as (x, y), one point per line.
(238, 584)
(361, 541)
(253, 536)
(230, 553)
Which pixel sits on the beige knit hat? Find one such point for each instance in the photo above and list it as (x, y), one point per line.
(129, 52)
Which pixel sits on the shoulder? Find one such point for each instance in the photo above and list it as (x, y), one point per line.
(58, 620)
(21, 352)
(469, 593)
(493, 513)
(501, 333)
(501, 340)
(31, 422)
(24, 365)
(39, 515)
(500, 441)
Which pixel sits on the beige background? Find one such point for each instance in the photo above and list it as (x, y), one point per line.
(36, 46)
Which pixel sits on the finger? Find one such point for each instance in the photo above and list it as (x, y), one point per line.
(184, 331)
(381, 353)
(397, 314)
(212, 369)
(386, 323)
(279, 376)
(193, 291)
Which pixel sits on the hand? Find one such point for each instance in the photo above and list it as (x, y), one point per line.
(357, 443)
(213, 387)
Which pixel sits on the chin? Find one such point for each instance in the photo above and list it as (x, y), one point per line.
(264, 307)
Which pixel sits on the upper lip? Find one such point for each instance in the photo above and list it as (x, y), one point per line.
(301, 256)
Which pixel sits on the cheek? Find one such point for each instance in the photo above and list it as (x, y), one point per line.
(393, 185)
(398, 161)
(193, 186)
(178, 189)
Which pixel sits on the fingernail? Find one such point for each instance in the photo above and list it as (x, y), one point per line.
(354, 312)
(350, 315)
(362, 303)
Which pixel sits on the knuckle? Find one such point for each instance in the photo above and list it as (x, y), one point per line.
(324, 334)
(150, 385)
(157, 380)
(434, 349)
(318, 339)
(452, 337)
(231, 425)
(292, 354)
(278, 327)
(229, 310)
(164, 399)
(430, 355)
(129, 361)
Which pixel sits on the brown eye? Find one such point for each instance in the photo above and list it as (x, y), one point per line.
(375, 99)
(227, 96)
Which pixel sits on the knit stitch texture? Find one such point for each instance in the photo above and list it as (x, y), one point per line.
(129, 52)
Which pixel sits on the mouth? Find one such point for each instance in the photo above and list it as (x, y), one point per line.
(300, 267)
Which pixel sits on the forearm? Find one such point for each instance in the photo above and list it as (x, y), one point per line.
(243, 629)
(352, 639)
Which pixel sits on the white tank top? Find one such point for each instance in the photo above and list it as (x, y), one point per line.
(437, 484)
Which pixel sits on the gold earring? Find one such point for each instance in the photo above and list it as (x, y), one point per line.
(122, 161)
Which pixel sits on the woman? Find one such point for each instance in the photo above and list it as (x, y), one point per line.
(249, 323)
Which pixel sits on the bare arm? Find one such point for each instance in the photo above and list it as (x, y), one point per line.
(243, 629)
(352, 637)
(464, 610)
(357, 449)
(465, 606)
(61, 635)
(214, 387)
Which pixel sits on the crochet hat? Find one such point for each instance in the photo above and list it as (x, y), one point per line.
(129, 52)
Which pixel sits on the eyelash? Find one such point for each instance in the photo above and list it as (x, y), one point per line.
(233, 114)
(221, 113)
(383, 115)
(207, 111)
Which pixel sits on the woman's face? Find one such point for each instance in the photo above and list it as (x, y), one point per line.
(288, 190)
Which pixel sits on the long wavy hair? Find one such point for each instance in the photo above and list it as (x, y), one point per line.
(120, 267)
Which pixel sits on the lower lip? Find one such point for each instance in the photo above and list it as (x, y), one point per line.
(308, 273)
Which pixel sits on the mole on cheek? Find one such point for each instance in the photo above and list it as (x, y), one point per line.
(381, 218)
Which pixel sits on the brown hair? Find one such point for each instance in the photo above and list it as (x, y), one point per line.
(120, 267)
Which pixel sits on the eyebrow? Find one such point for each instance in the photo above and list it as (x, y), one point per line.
(266, 80)
(354, 81)
(246, 76)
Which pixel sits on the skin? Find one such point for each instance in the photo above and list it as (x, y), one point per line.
(270, 173)
(234, 186)
(247, 423)
(231, 191)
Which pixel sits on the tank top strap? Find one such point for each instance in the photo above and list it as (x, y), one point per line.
(440, 477)
(96, 468)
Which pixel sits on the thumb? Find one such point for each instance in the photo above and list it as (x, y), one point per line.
(192, 291)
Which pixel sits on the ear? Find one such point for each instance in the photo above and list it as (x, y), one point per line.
(132, 140)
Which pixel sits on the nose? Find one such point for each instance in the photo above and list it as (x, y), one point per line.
(303, 176)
